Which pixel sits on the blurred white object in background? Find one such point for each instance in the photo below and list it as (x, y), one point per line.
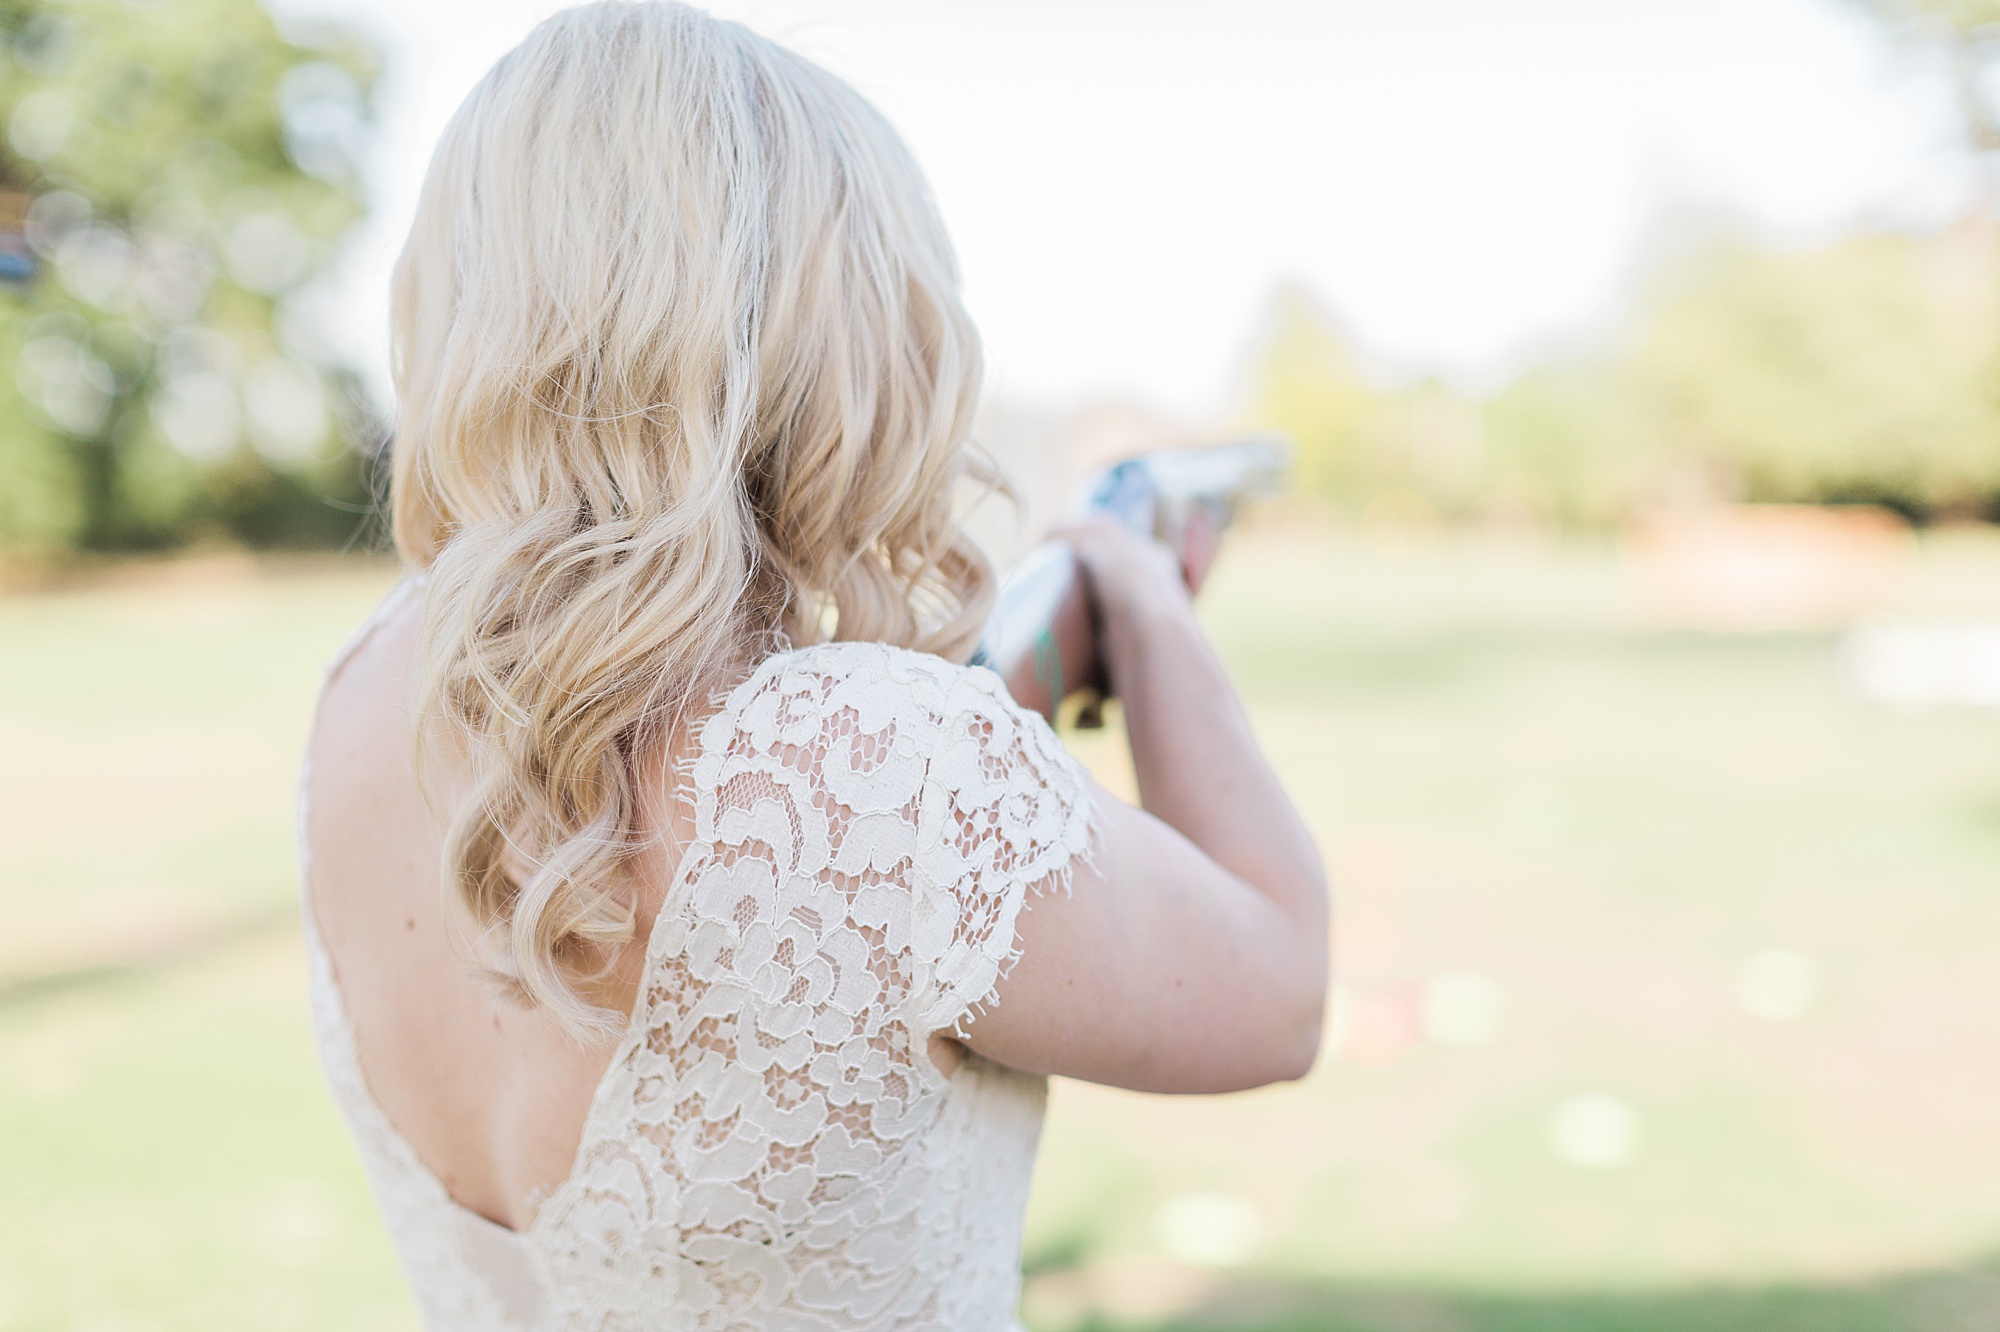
(1461, 1008)
(1594, 1131)
(1777, 985)
(1918, 664)
(1208, 1229)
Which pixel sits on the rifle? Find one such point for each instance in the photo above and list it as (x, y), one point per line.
(1042, 636)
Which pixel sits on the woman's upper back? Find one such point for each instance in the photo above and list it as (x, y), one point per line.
(769, 1141)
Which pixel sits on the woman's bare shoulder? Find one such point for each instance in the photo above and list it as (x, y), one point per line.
(359, 751)
(377, 658)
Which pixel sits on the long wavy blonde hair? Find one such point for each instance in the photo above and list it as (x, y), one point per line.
(683, 375)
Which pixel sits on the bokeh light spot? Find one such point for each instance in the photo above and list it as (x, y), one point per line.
(1208, 1229)
(1461, 1008)
(1594, 1130)
(1778, 985)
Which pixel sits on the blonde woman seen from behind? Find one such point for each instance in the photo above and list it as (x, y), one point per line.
(693, 933)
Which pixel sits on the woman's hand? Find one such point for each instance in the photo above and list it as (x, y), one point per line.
(1130, 575)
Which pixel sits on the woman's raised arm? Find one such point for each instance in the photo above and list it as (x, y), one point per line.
(1192, 955)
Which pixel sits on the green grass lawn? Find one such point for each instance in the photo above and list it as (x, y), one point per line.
(168, 1155)
(1514, 773)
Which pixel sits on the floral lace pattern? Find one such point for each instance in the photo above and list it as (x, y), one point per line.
(772, 1147)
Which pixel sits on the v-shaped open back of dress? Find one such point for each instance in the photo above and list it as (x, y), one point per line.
(771, 1146)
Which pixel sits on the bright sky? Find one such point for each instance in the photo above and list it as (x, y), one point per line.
(1461, 181)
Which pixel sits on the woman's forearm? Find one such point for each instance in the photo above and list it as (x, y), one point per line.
(1197, 761)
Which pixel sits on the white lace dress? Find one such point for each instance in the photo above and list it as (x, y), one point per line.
(772, 1147)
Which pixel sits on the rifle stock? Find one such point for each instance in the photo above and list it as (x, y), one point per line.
(1042, 636)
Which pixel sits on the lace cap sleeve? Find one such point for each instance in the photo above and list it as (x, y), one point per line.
(1005, 813)
(772, 1147)
(941, 806)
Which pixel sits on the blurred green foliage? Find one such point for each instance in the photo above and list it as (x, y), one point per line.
(1957, 16)
(174, 174)
(1867, 370)
(1356, 441)
(1967, 34)
(1863, 371)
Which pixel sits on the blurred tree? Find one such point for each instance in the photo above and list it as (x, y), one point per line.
(1968, 34)
(1365, 447)
(1865, 370)
(1564, 448)
(1305, 382)
(174, 174)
